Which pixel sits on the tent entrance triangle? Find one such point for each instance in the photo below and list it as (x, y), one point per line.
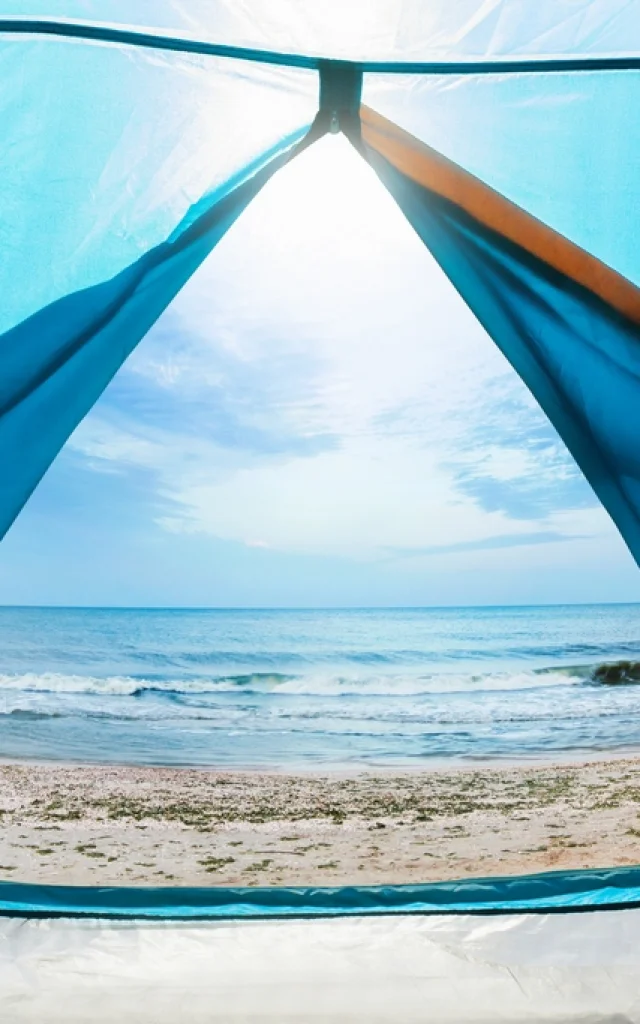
(319, 389)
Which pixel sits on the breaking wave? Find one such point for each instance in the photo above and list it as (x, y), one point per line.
(309, 685)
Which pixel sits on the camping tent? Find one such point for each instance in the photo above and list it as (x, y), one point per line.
(507, 134)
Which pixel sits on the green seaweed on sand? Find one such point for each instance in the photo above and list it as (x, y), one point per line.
(215, 863)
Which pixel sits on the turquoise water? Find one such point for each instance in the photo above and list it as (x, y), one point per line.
(286, 689)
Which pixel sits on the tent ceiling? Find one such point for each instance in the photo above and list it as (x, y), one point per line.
(389, 30)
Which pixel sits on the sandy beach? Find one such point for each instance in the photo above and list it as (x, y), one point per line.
(92, 825)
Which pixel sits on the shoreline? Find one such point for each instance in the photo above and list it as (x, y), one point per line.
(124, 825)
(572, 759)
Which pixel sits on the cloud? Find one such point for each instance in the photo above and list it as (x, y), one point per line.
(190, 386)
(506, 540)
(495, 444)
(517, 464)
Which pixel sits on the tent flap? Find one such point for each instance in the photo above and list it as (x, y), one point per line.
(58, 362)
(567, 323)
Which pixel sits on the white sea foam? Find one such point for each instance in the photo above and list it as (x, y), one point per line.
(408, 685)
(312, 685)
(55, 682)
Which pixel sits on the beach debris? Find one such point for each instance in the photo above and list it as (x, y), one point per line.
(618, 672)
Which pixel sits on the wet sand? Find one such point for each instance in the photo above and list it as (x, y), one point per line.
(82, 825)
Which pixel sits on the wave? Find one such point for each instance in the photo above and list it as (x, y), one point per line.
(416, 686)
(310, 685)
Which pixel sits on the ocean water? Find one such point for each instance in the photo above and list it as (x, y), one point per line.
(295, 689)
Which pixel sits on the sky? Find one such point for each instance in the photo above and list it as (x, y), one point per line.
(316, 420)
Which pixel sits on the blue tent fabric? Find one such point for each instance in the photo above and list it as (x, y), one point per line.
(617, 888)
(576, 347)
(57, 363)
(404, 31)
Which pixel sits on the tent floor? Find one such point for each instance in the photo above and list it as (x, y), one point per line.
(509, 967)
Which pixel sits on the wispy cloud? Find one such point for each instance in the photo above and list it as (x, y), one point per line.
(506, 540)
(188, 384)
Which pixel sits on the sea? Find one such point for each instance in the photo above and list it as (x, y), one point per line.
(316, 689)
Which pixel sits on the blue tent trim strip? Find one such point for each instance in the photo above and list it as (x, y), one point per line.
(551, 892)
(567, 323)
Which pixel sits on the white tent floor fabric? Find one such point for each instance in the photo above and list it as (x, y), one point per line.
(506, 967)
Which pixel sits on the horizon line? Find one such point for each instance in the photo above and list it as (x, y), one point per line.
(310, 608)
